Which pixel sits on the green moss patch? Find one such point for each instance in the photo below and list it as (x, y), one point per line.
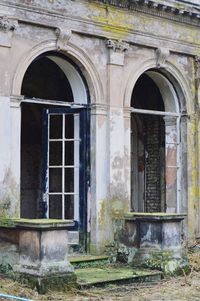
(32, 223)
(105, 275)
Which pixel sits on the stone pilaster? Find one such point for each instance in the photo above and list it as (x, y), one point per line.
(171, 167)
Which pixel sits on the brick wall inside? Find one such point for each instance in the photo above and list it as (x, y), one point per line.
(154, 163)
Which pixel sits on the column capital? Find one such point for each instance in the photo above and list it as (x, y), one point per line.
(170, 120)
(15, 101)
(127, 112)
(117, 49)
(99, 109)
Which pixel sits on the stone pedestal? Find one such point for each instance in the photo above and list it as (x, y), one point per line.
(157, 240)
(41, 248)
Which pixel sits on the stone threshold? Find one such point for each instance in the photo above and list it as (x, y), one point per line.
(86, 258)
(82, 261)
(103, 276)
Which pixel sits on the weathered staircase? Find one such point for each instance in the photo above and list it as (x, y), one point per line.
(98, 271)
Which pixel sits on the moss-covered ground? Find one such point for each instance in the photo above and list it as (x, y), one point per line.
(186, 287)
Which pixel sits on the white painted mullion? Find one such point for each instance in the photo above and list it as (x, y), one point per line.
(154, 112)
(76, 165)
(48, 146)
(63, 166)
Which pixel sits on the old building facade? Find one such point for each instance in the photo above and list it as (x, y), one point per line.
(99, 112)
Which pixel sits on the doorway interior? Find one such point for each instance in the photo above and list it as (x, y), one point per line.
(54, 141)
(154, 152)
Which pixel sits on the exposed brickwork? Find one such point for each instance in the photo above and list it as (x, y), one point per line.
(154, 167)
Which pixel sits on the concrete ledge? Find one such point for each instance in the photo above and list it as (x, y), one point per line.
(160, 216)
(36, 223)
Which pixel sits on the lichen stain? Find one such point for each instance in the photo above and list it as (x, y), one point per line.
(120, 23)
(113, 20)
(193, 170)
(118, 206)
(102, 213)
(9, 196)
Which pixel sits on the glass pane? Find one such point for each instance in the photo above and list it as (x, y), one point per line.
(55, 126)
(69, 126)
(55, 153)
(69, 180)
(69, 207)
(55, 206)
(69, 153)
(55, 180)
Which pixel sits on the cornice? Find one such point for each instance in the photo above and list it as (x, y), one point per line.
(94, 28)
(180, 12)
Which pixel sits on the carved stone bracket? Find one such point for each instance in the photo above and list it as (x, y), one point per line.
(63, 37)
(117, 49)
(161, 56)
(7, 24)
(117, 45)
(7, 27)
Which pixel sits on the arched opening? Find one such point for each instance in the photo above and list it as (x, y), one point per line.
(53, 151)
(154, 144)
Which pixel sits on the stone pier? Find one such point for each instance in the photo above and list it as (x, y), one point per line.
(155, 240)
(35, 251)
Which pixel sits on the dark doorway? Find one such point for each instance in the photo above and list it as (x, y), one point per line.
(44, 80)
(147, 148)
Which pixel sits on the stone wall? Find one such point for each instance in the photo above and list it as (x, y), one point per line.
(145, 38)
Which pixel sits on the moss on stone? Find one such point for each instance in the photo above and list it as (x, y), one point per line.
(55, 282)
(163, 260)
(13, 222)
(152, 214)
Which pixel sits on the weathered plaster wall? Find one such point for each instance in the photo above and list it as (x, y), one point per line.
(86, 25)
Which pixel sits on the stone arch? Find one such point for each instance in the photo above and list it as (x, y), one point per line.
(76, 54)
(176, 94)
(166, 74)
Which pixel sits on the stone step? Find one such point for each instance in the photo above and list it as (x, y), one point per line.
(102, 276)
(82, 261)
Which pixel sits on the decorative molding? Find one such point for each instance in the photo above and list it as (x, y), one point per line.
(7, 27)
(170, 120)
(117, 45)
(63, 37)
(161, 56)
(15, 101)
(7, 24)
(99, 109)
(184, 13)
(117, 49)
(127, 112)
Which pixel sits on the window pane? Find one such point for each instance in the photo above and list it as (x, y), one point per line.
(55, 153)
(69, 207)
(55, 180)
(55, 206)
(55, 126)
(69, 153)
(69, 180)
(69, 126)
